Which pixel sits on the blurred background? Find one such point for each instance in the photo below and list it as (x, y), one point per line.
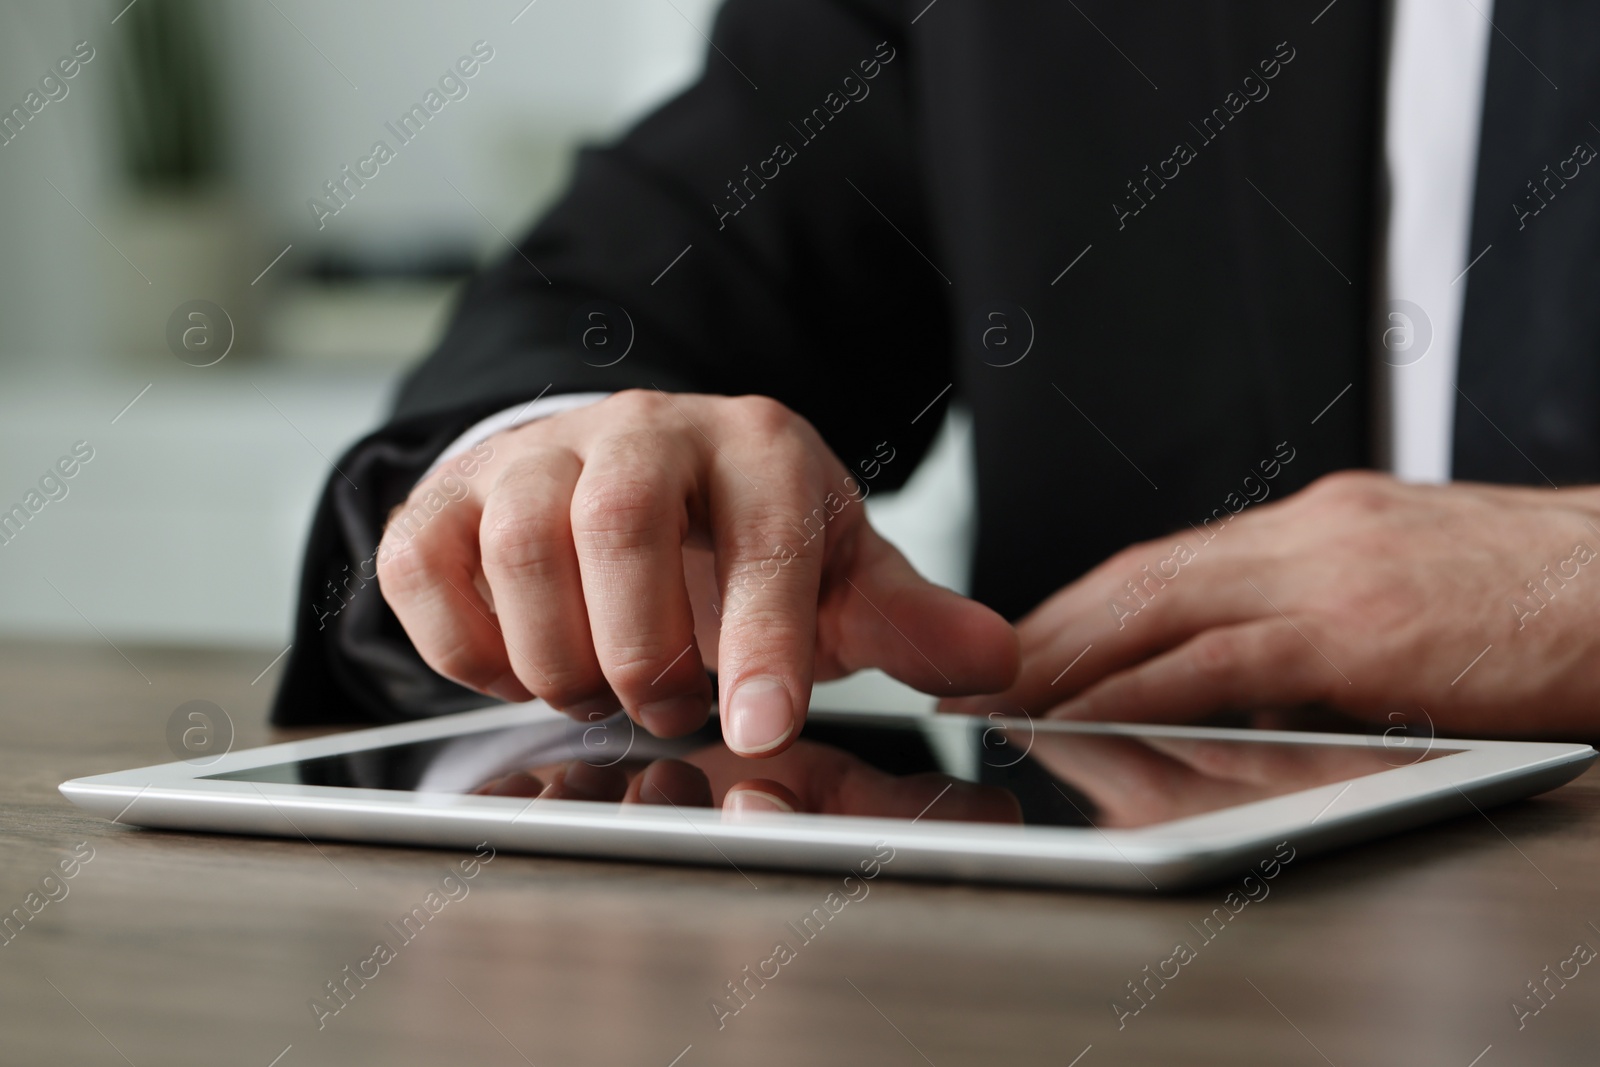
(170, 296)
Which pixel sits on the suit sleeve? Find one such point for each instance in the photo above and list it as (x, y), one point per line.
(763, 232)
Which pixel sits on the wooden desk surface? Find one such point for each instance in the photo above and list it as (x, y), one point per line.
(173, 949)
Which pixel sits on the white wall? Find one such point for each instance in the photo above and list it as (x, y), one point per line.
(566, 70)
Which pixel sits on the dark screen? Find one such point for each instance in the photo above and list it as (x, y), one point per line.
(940, 768)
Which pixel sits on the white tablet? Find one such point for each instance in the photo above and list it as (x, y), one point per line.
(942, 796)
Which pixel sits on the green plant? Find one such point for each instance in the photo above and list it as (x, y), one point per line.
(167, 101)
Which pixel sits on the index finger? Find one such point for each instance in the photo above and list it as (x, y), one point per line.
(769, 569)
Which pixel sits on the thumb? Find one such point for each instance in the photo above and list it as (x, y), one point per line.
(877, 611)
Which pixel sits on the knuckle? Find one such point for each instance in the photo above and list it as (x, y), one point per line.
(562, 687)
(763, 638)
(640, 447)
(637, 406)
(1352, 490)
(621, 509)
(522, 540)
(1216, 655)
(463, 663)
(643, 668)
(533, 464)
(412, 516)
(1125, 564)
(404, 566)
(769, 544)
(763, 416)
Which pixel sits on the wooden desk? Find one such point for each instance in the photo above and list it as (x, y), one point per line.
(192, 949)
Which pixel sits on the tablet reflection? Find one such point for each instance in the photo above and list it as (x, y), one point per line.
(1138, 781)
(810, 777)
(1065, 778)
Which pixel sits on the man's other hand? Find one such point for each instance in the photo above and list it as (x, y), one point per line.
(1476, 607)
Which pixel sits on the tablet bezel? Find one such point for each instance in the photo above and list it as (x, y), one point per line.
(1162, 856)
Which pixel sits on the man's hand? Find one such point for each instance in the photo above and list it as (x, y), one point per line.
(1475, 606)
(811, 778)
(1141, 781)
(593, 558)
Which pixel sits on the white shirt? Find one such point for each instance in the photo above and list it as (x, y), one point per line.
(1439, 54)
(1438, 58)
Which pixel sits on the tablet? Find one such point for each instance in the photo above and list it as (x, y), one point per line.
(1046, 802)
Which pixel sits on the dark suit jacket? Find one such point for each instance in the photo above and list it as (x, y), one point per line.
(1142, 249)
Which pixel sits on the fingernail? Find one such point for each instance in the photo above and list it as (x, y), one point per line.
(754, 802)
(675, 716)
(760, 716)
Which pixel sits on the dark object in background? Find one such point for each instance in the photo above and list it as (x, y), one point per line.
(167, 103)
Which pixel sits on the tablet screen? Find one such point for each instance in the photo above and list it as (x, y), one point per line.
(1009, 771)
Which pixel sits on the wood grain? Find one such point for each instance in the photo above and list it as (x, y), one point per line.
(178, 949)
